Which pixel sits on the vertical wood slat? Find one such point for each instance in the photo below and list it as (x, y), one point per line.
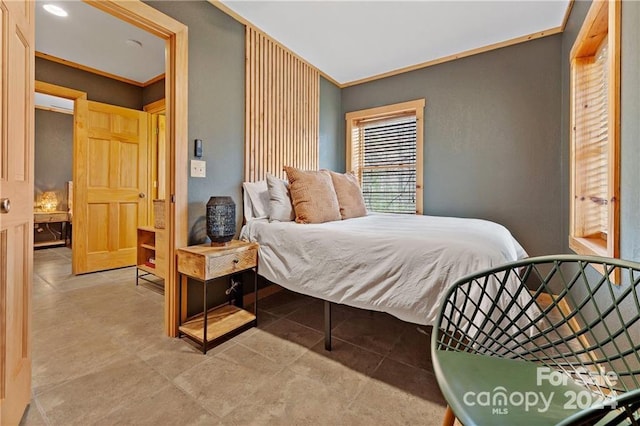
(260, 143)
(282, 109)
(310, 112)
(280, 121)
(289, 111)
(252, 93)
(268, 109)
(273, 105)
(294, 112)
(273, 109)
(303, 115)
(248, 87)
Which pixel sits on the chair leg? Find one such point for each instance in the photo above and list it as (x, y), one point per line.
(449, 417)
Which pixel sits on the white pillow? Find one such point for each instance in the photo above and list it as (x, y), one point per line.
(280, 207)
(256, 200)
(246, 205)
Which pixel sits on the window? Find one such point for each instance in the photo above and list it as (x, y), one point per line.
(595, 101)
(384, 150)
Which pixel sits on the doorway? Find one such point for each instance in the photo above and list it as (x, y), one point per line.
(16, 239)
(53, 156)
(102, 153)
(174, 34)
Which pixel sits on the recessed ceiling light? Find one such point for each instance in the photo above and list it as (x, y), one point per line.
(55, 10)
(134, 43)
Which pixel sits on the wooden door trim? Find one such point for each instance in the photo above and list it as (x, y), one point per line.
(60, 91)
(175, 35)
(156, 107)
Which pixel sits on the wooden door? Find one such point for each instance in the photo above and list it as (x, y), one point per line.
(110, 174)
(16, 217)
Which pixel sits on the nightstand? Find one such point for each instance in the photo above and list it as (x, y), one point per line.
(45, 218)
(204, 263)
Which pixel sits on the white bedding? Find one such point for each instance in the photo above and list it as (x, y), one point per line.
(400, 264)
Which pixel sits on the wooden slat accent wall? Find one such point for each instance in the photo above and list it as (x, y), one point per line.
(282, 110)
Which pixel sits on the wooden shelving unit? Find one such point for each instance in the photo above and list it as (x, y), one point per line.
(151, 245)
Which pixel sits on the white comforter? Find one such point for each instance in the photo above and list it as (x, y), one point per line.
(400, 264)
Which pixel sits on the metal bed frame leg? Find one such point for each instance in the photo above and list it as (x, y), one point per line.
(255, 290)
(327, 325)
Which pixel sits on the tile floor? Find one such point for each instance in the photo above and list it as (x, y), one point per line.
(99, 357)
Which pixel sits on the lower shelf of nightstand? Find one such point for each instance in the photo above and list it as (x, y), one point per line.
(54, 243)
(220, 321)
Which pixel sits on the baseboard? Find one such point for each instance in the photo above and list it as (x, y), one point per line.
(262, 293)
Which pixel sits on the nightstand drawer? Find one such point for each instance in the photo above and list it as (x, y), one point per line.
(39, 217)
(230, 263)
(205, 262)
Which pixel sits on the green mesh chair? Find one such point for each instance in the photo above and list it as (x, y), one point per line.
(543, 341)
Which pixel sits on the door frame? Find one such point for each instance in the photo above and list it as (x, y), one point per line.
(175, 35)
(155, 109)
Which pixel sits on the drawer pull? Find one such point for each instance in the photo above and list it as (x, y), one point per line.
(236, 260)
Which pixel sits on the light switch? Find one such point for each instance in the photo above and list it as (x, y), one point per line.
(198, 168)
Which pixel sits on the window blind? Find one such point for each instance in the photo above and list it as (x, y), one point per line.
(384, 159)
(592, 130)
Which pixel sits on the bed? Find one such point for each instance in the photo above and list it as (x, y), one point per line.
(394, 263)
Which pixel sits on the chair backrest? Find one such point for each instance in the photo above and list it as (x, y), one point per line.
(575, 314)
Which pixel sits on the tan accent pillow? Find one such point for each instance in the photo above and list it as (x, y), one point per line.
(349, 195)
(314, 199)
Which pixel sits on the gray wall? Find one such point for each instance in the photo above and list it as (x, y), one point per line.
(98, 88)
(332, 143)
(578, 13)
(492, 131)
(53, 153)
(216, 104)
(153, 92)
(630, 133)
